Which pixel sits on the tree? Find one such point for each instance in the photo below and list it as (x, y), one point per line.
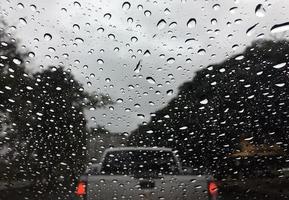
(45, 111)
(246, 96)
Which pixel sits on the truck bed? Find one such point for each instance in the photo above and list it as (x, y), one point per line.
(103, 187)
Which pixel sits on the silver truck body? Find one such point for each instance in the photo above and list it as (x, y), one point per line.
(102, 184)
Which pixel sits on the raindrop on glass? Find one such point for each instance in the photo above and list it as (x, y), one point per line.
(111, 36)
(161, 24)
(47, 36)
(150, 80)
(76, 27)
(204, 102)
(22, 21)
(77, 4)
(134, 39)
(100, 61)
(280, 65)
(100, 30)
(17, 61)
(147, 13)
(107, 16)
(171, 60)
(251, 30)
(191, 23)
(173, 24)
(20, 5)
(277, 28)
(79, 40)
(260, 10)
(126, 5)
(147, 53)
(216, 6)
(170, 92)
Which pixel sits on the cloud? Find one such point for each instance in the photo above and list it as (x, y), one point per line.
(220, 32)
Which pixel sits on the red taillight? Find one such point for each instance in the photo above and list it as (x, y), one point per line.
(81, 189)
(213, 189)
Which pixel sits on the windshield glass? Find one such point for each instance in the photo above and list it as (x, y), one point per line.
(208, 79)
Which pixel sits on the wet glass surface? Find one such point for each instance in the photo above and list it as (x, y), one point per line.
(206, 79)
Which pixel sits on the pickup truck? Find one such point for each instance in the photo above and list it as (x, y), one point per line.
(143, 173)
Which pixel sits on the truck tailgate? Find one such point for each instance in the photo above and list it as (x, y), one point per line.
(126, 187)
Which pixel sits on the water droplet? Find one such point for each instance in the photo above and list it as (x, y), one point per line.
(100, 30)
(216, 6)
(129, 20)
(134, 39)
(235, 47)
(111, 36)
(280, 84)
(22, 21)
(29, 88)
(233, 10)
(107, 16)
(201, 52)
(214, 21)
(280, 65)
(277, 28)
(161, 24)
(222, 70)
(204, 102)
(183, 128)
(173, 25)
(251, 30)
(100, 61)
(260, 10)
(119, 100)
(140, 7)
(126, 5)
(20, 5)
(79, 40)
(77, 4)
(47, 36)
(147, 53)
(249, 138)
(58, 88)
(51, 49)
(76, 27)
(191, 23)
(17, 61)
(239, 57)
(151, 80)
(171, 60)
(170, 92)
(167, 11)
(32, 7)
(31, 54)
(138, 67)
(147, 13)
(141, 116)
(190, 40)
(63, 9)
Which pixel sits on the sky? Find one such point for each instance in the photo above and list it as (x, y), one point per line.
(138, 52)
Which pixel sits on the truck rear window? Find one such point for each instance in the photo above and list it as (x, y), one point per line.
(140, 163)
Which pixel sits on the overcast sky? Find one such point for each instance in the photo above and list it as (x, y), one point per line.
(102, 42)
